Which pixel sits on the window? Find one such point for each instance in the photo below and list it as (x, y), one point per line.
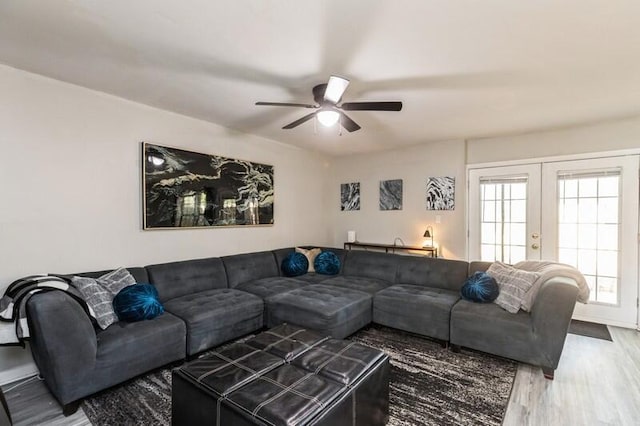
(589, 227)
(503, 233)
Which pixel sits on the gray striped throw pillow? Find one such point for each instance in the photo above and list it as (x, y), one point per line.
(514, 284)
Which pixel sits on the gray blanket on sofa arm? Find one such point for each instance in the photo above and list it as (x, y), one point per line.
(547, 270)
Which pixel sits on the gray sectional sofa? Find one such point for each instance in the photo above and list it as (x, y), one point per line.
(210, 301)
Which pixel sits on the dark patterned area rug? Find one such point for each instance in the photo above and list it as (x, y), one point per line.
(430, 385)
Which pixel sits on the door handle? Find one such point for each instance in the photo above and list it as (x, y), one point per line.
(535, 246)
(535, 235)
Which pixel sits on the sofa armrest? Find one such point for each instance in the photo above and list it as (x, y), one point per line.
(551, 314)
(63, 341)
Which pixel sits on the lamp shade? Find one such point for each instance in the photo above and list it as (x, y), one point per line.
(429, 234)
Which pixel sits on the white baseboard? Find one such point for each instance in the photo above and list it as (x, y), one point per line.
(17, 373)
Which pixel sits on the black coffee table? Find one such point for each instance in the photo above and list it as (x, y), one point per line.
(286, 375)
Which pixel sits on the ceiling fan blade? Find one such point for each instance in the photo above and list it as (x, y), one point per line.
(348, 123)
(300, 121)
(335, 89)
(286, 104)
(371, 106)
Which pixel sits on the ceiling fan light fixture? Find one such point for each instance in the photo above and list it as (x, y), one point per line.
(328, 117)
(335, 89)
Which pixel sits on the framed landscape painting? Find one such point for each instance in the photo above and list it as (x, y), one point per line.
(184, 189)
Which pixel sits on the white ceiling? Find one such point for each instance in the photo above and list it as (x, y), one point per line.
(463, 69)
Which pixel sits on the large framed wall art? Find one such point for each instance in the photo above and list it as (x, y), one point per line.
(184, 189)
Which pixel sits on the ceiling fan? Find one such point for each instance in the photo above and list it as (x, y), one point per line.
(327, 96)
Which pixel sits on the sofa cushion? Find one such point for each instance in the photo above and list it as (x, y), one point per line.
(310, 254)
(327, 263)
(313, 278)
(514, 285)
(281, 253)
(127, 349)
(139, 274)
(98, 299)
(267, 287)
(177, 279)
(215, 316)
(480, 288)
(294, 264)
(99, 292)
(337, 312)
(478, 266)
(341, 253)
(489, 328)
(137, 302)
(368, 285)
(414, 308)
(381, 266)
(434, 273)
(116, 280)
(242, 268)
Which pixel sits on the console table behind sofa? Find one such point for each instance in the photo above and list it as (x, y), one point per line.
(431, 251)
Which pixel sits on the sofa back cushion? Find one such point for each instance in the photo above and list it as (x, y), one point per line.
(242, 268)
(429, 272)
(371, 264)
(341, 253)
(176, 279)
(140, 274)
(478, 266)
(281, 254)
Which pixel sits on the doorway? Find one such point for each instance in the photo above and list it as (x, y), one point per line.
(580, 212)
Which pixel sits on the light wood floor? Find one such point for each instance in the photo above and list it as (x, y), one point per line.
(597, 383)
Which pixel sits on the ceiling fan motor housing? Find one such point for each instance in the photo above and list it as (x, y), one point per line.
(318, 94)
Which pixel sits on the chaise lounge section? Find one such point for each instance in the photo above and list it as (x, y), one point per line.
(211, 301)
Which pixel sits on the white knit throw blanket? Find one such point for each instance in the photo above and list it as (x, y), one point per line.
(548, 270)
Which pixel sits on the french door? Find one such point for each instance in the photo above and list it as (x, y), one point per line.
(580, 212)
(505, 213)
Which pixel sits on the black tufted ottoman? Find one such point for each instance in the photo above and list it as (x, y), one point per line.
(289, 376)
(332, 311)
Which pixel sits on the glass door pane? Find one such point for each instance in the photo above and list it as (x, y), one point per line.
(503, 233)
(588, 228)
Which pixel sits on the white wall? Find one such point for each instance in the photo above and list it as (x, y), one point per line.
(70, 186)
(413, 165)
(594, 138)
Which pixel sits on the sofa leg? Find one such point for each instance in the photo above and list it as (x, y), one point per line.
(455, 348)
(444, 344)
(71, 408)
(548, 372)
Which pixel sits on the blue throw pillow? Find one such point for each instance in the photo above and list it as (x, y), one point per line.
(137, 302)
(294, 264)
(327, 263)
(481, 288)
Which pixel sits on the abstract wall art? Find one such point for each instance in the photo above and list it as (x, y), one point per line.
(184, 189)
(391, 194)
(441, 193)
(350, 196)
